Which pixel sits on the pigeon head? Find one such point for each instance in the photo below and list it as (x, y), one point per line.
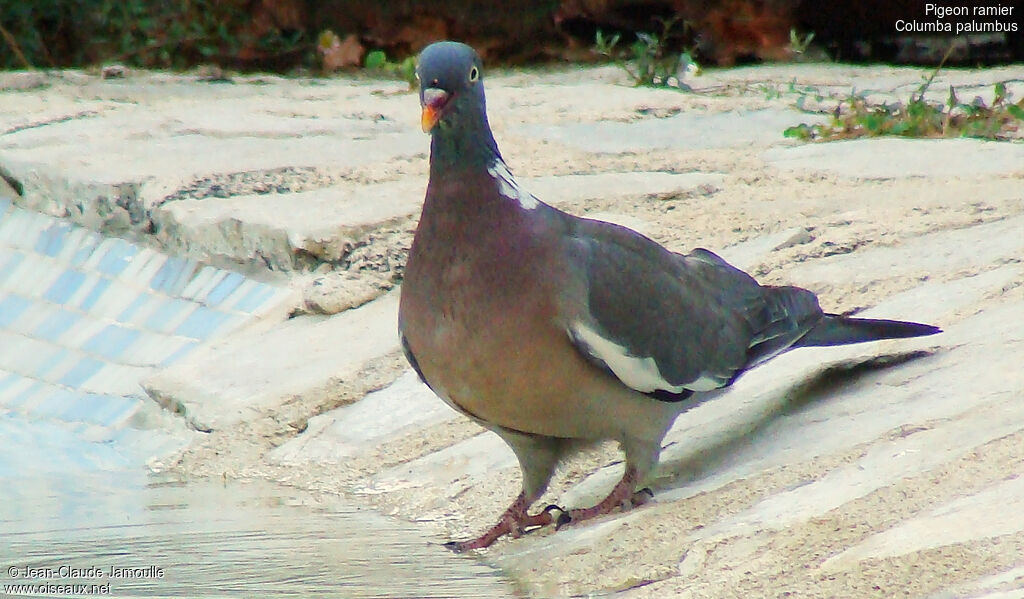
(452, 98)
(451, 85)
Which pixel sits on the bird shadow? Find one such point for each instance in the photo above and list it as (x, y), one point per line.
(702, 461)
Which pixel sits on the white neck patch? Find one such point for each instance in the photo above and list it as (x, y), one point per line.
(508, 187)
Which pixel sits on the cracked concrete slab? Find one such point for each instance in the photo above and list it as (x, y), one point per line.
(110, 158)
(405, 406)
(299, 230)
(888, 158)
(996, 510)
(235, 379)
(689, 131)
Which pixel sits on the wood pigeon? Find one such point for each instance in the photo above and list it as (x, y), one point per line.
(552, 330)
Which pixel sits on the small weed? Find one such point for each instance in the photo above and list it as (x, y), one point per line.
(855, 116)
(648, 61)
(377, 60)
(799, 44)
(606, 45)
(771, 92)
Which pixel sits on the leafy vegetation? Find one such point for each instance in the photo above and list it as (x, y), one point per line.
(162, 33)
(649, 61)
(798, 44)
(377, 60)
(855, 116)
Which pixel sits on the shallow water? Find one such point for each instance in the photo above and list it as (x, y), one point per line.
(217, 539)
(83, 319)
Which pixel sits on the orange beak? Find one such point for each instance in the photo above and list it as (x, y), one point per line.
(434, 101)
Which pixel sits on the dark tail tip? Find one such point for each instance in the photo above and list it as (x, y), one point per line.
(842, 330)
(893, 329)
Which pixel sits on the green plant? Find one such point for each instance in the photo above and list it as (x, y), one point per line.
(605, 45)
(856, 116)
(649, 61)
(377, 60)
(160, 33)
(799, 44)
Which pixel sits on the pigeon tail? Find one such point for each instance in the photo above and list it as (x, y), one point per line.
(843, 330)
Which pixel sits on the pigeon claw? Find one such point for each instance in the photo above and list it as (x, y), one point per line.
(641, 497)
(455, 546)
(515, 522)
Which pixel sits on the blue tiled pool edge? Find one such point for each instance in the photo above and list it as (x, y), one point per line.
(83, 320)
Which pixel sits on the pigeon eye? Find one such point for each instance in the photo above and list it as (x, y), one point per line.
(474, 74)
